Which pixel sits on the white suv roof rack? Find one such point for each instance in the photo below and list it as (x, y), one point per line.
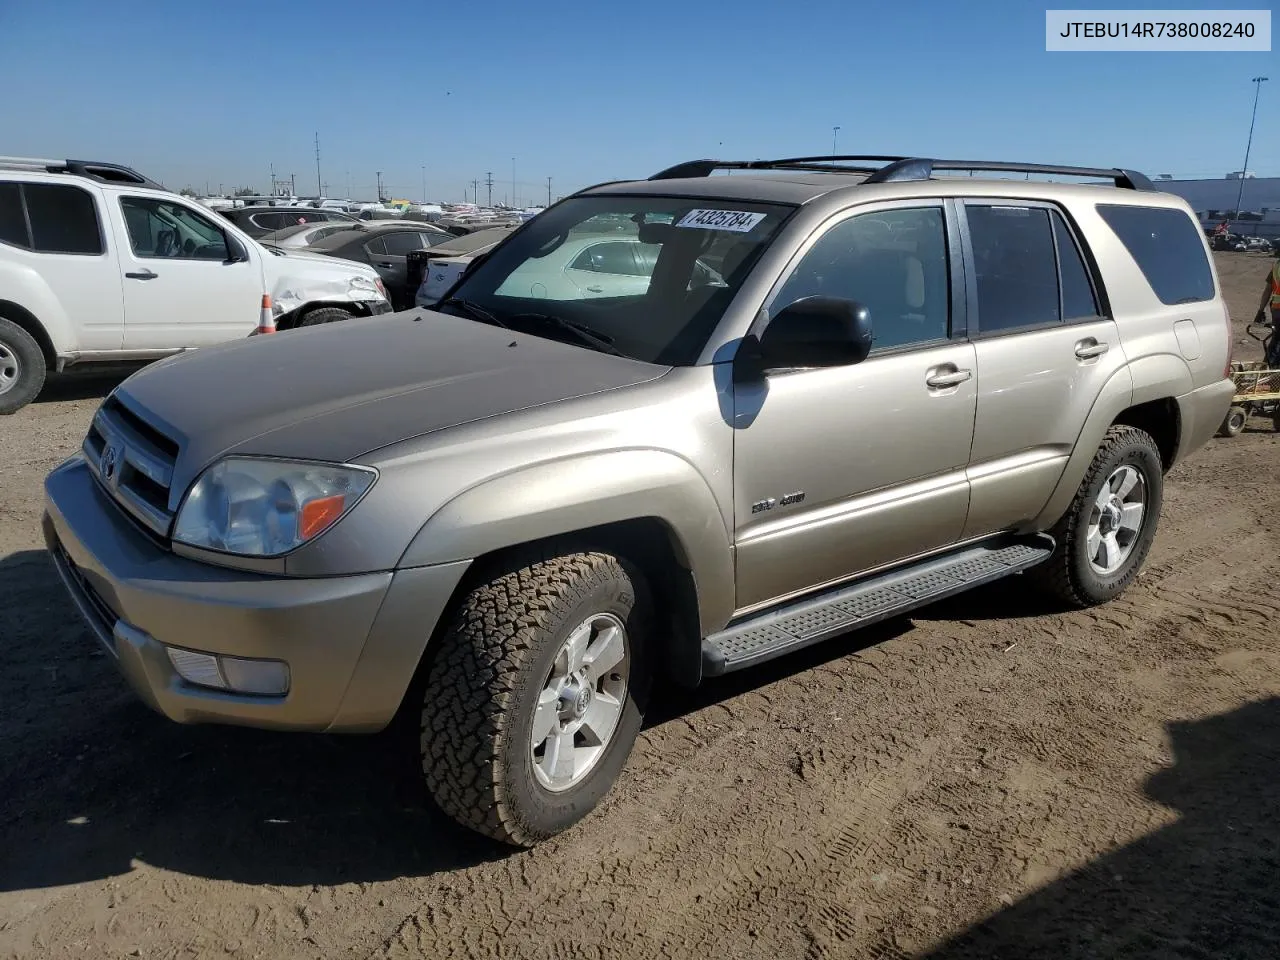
(93, 169)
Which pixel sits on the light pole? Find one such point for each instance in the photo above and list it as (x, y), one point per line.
(835, 134)
(1257, 89)
(424, 183)
(513, 183)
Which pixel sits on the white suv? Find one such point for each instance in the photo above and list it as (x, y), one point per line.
(98, 263)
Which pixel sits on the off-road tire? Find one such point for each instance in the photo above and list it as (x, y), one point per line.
(19, 349)
(323, 315)
(1067, 574)
(486, 676)
(1233, 423)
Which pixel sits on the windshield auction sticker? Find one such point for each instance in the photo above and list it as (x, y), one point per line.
(738, 221)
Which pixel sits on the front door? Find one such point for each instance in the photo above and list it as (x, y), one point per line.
(1045, 353)
(180, 288)
(841, 470)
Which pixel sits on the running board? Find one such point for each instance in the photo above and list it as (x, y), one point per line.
(853, 606)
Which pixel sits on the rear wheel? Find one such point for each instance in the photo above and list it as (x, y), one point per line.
(536, 695)
(1105, 535)
(22, 367)
(1234, 422)
(324, 315)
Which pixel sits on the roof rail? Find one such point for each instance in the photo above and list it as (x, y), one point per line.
(920, 168)
(93, 169)
(899, 169)
(827, 164)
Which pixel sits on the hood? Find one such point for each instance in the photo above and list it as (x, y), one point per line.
(340, 390)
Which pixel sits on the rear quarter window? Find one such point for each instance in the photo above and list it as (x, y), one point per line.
(64, 219)
(1167, 246)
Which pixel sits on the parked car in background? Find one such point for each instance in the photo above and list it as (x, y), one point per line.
(100, 264)
(433, 271)
(257, 221)
(385, 247)
(304, 234)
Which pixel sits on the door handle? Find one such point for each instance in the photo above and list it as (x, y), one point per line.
(147, 274)
(953, 378)
(385, 265)
(595, 289)
(1088, 349)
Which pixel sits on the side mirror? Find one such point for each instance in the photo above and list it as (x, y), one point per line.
(236, 253)
(817, 332)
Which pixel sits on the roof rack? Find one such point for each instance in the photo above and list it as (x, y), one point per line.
(93, 169)
(900, 169)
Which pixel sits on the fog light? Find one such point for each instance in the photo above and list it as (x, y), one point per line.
(263, 677)
(267, 677)
(198, 668)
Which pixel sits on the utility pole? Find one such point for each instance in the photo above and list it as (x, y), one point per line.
(835, 134)
(293, 185)
(1257, 89)
(318, 185)
(475, 192)
(513, 183)
(489, 183)
(548, 191)
(272, 191)
(424, 183)
(379, 172)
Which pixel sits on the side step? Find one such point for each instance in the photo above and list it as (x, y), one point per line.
(852, 606)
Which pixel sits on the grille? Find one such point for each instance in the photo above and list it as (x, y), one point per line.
(133, 461)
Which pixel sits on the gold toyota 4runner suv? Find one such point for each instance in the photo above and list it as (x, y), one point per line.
(667, 429)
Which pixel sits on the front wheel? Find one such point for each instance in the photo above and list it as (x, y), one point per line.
(1106, 533)
(536, 694)
(323, 315)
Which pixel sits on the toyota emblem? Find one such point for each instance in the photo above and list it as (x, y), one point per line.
(109, 463)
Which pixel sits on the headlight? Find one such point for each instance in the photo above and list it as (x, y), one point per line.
(363, 287)
(263, 508)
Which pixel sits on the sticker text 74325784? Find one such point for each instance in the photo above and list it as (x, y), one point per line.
(738, 221)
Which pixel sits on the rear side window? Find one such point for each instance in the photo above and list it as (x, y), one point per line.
(1014, 260)
(13, 223)
(63, 219)
(1168, 249)
(1029, 269)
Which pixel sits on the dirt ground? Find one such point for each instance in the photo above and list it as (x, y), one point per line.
(986, 779)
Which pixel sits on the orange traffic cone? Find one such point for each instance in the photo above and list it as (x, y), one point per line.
(267, 322)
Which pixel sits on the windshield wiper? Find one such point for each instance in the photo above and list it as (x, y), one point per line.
(585, 335)
(477, 312)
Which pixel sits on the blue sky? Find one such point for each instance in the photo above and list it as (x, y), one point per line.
(190, 91)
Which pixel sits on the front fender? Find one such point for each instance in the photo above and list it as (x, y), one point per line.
(576, 493)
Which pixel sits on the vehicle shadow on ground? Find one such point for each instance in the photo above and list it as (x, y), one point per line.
(91, 780)
(94, 384)
(1208, 885)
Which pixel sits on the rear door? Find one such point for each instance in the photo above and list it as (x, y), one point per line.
(392, 262)
(181, 287)
(60, 234)
(1044, 352)
(610, 268)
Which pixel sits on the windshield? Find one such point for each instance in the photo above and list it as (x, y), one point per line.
(648, 276)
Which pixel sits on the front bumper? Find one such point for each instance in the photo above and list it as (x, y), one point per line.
(351, 643)
(376, 307)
